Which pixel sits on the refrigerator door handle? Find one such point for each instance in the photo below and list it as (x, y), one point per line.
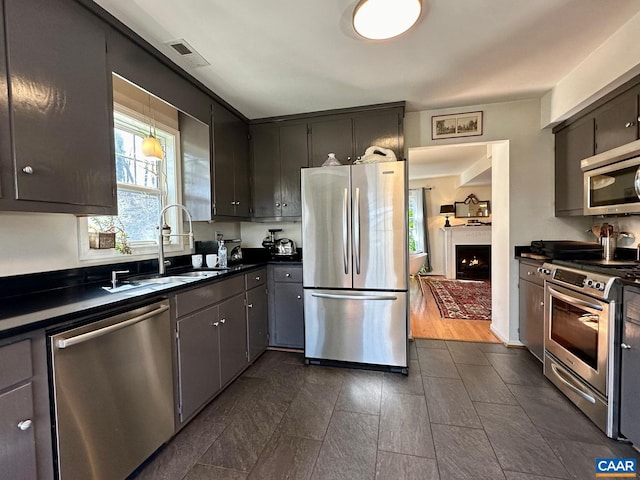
(354, 297)
(345, 230)
(356, 231)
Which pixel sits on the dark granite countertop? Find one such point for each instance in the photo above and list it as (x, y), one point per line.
(34, 307)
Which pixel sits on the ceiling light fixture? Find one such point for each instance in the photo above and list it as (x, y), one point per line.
(383, 19)
(151, 147)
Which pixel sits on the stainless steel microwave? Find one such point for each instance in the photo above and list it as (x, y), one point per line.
(612, 181)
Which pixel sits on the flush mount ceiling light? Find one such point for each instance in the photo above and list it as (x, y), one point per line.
(383, 19)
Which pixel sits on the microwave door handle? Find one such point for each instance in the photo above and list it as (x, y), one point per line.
(636, 183)
(574, 301)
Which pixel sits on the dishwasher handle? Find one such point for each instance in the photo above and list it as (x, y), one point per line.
(85, 337)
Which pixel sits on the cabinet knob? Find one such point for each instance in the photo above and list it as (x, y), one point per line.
(284, 204)
(25, 425)
(223, 320)
(529, 273)
(215, 324)
(250, 305)
(257, 279)
(625, 346)
(298, 297)
(28, 170)
(237, 203)
(542, 304)
(233, 203)
(287, 275)
(628, 124)
(278, 204)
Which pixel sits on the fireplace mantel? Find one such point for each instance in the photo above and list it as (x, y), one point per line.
(463, 235)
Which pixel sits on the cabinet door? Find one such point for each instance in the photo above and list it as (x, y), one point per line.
(289, 315)
(629, 385)
(61, 106)
(333, 135)
(241, 169)
(233, 337)
(223, 167)
(573, 144)
(198, 360)
(17, 446)
(294, 155)
(532, 317)
(617, 121)
(265, 170)
(257, 321)
(383, 129)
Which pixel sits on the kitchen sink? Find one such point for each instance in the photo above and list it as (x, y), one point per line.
(198, 274)
(158, 281)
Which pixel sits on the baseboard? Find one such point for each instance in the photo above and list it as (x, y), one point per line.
(505, 341)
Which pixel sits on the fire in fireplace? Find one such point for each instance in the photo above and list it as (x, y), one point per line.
(473, 262)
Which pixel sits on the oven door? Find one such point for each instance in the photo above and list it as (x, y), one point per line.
(577, 332)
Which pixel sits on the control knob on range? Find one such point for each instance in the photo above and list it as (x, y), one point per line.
(599, 286)
(588, 282)
(544, 271)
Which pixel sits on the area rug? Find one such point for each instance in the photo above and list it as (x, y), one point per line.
(463, 299)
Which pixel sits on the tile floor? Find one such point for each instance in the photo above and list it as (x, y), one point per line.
(466, 411)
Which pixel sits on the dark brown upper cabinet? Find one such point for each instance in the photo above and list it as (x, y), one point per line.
(616, 122)
(573, 143)
(331, 135)
(60, 110)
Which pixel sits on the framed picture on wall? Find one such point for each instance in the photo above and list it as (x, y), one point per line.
(456, 125)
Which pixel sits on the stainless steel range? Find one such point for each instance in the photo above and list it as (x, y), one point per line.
(582, 331)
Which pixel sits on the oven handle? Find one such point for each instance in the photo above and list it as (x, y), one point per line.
(85, 337)
(564, 380)
(575, 301)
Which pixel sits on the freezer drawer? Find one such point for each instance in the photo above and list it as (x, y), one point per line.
(356, 326)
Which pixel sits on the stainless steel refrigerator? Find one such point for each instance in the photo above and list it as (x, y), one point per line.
(354, 231)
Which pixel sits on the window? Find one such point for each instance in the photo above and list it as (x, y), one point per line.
(416, 222)
(144, 185)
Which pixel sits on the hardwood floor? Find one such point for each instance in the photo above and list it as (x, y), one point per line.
(426, 321)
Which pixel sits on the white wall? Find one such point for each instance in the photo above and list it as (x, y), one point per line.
(616, 61)
(522, 192)
(444, 190)
(254, 233)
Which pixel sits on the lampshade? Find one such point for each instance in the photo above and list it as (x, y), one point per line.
(383, 19)
(447, 210)
(151, 148)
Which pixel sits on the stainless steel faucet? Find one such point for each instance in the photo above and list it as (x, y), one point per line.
(114, 277)
(161, 261)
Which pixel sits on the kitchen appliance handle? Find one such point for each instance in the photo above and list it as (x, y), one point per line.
(356, 231)
(85, 337)
(561, 375)
(636, 183)
(575, 301)
(345, 231)
(354, 297)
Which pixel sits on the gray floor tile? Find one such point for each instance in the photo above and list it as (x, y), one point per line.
(518, 370)
(413, 351)
(287, 457)
(622, 450)
(449, 403)
(349, 448)
(578, 457)
(464, 454)
(429, 343)
(240, 444)
(310, 412)
(484, 385)
(207, 472)
(181, 453)
(361, 392)
(497, 348)
(553, 416)
(404, 426)
(525, 476)
(466, 352)
(325, 375)
(394, 466)
(237, 396)
(398, 383)
(437, 363)
(516, 442)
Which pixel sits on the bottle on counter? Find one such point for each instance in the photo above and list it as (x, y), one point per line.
(222, 254)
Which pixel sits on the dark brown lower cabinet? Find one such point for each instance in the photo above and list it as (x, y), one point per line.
(629, 385)
(286, 306)
(233, 337)
(531, 299)
(258, 334)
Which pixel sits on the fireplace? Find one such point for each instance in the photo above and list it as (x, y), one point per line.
(473, 262)
(458, 236)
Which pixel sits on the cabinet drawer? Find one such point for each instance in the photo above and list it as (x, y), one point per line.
(198, 298)
(15, 363)
(255, 278)
(287, 274)
(530, 273)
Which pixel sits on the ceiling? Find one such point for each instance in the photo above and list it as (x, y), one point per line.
(452, 160)
(279, 57)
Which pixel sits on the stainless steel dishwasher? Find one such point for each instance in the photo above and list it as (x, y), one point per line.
(113, 393)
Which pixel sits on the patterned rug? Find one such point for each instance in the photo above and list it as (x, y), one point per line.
(464, 299)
